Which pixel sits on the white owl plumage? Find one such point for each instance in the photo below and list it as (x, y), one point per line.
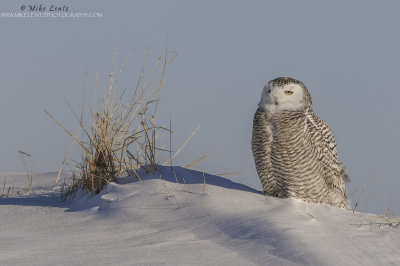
(294, 150)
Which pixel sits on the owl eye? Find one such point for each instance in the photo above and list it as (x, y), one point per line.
(269, 91)
(288, 92)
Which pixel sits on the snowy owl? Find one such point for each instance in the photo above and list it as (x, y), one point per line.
(294, 150)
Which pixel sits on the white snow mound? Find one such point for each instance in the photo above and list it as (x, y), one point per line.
(188, 219)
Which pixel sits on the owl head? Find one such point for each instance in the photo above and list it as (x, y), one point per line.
(285, 94)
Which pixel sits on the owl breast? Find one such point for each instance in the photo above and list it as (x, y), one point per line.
(294, 159)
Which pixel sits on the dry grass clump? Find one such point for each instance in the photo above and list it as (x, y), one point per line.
(123, 133)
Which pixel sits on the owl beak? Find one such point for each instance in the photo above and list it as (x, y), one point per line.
(274, 100)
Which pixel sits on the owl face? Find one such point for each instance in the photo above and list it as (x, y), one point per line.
(282, 96)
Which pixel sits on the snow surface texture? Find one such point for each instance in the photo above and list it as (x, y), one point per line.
(161, 222)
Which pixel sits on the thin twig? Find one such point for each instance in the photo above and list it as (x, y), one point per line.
(183, 145)
(204, 184)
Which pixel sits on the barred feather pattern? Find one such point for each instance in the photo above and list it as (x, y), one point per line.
(295, 156)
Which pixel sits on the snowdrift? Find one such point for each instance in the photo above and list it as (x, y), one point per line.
(186, 217)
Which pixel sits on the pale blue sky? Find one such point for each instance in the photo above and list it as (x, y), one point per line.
(346, 52)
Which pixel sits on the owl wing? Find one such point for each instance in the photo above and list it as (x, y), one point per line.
(260, 142)
(334, 171)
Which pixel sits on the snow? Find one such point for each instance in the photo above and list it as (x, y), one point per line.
(160, 221)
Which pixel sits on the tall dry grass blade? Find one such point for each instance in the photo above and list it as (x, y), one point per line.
(84, 96)
(79, 121)
(162, 79)
(66, 131)
(183, 145)
(170, 133)
(362, 187)
(195, 162)
(65, 158)
(113, 68)
(204, 184)
(77, 133)
(10, 190)
(29, 176)
(126, 60)
(229, 173)
(4, 185)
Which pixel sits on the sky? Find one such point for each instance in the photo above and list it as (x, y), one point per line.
(346, 52)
